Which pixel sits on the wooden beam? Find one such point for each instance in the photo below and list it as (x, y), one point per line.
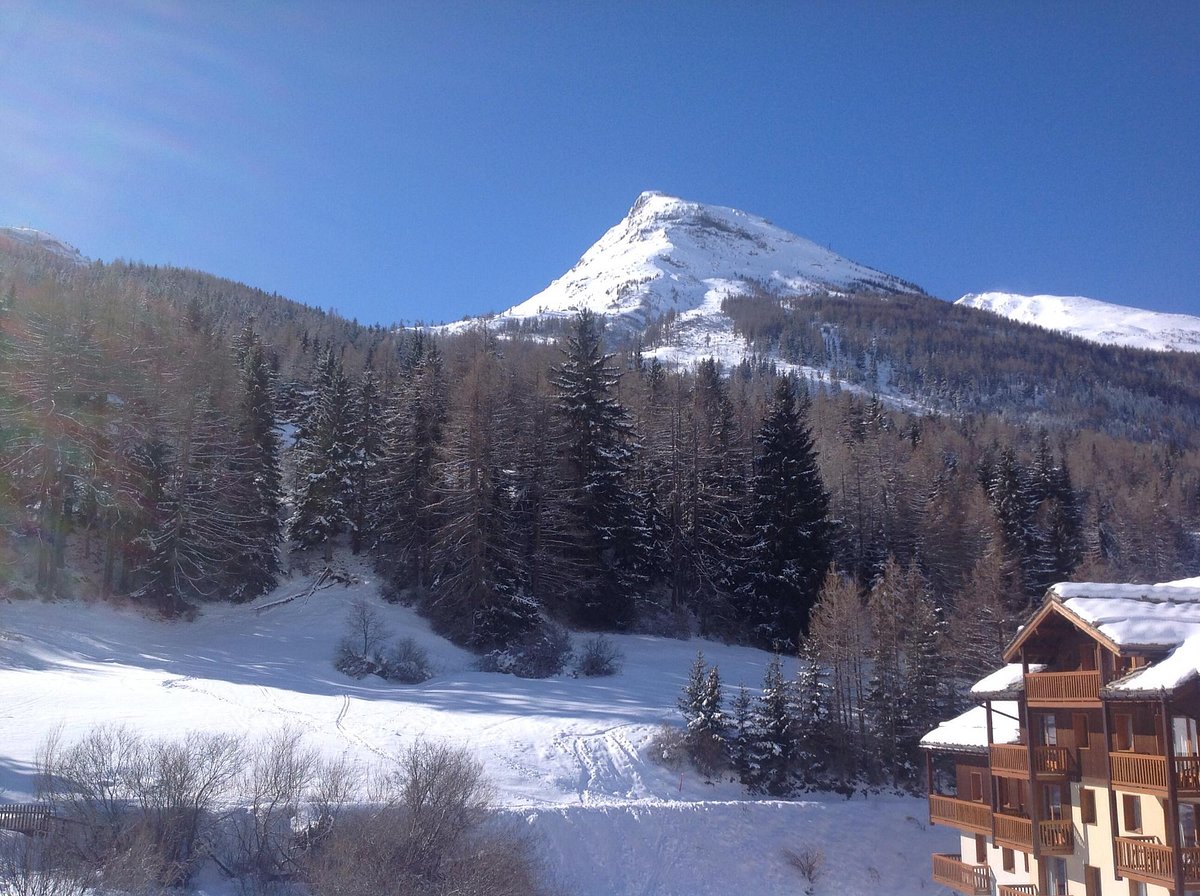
(1172, 797)
(1108, 791)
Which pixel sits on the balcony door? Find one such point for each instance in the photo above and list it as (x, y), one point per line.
(1189, 822)
(1053, 802)
(1186, 741)
(1049, 730)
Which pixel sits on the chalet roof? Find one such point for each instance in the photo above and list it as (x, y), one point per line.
(1136, 617)
(1005, 683)
(1161, 620)
(967, 733)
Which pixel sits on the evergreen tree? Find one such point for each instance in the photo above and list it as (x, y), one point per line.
(406, 495)
(257, 488)
(479, 596)
(812, 714)
(324, 453)
(365, 457)
(598, 449)
(776, 738)
(790, 531)
(741, 735)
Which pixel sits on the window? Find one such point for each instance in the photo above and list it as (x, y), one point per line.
(1087, 805)
(1131, 810)
(977, 786)
(980, 849)
(1007, 859)
(1091, 880)
(1137, 888)
(1082, 736)
(1123, 731)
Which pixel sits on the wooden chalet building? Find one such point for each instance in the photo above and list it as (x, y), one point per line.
(1079, 773)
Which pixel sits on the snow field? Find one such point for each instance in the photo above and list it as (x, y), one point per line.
(566, 756)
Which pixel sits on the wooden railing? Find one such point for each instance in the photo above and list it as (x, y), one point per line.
(1015, 831)
(1016, 890)
(1058, 837)
(1062, 688)
(1144, 857)
(1010, 759)
(27, 818)
(1139, 771)
(963, 814)
(1187, 775)
(953, 872)
(1051, 760)
(1147, 773)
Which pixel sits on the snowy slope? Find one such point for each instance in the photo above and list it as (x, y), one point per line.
(567, 756)
(1094, 320)
(670, 255)
(27, 236)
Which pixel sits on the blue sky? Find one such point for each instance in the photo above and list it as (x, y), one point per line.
(402, 161)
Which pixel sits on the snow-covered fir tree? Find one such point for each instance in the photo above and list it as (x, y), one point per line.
(773, 752)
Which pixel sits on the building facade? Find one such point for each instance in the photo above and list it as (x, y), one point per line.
(1079, 772)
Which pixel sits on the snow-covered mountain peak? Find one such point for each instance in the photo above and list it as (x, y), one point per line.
(1094, 320)
(28, 236)
(672, 255)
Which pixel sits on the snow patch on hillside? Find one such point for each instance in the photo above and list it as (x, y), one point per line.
(1095, 321)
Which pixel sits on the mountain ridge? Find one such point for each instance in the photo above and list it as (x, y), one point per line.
(1094, 320)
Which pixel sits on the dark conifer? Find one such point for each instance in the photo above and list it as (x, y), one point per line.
(789, 550)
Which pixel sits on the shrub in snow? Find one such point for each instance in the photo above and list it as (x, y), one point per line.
(407, 662)
(599, 657)
(427, 829)
(808, 863)
(543, 652)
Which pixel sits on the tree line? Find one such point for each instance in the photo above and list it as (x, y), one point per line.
(168, 436)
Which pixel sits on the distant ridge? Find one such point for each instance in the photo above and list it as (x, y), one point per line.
(1095, 321)
(40, 239)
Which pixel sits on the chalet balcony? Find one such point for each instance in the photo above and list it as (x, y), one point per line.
(953, 872)
(1062, 689)
(1016, 832)
(1013, 831)
(1147, 773)
(975, 818)
(1012, 761)
(1058, 837)
(1145, 859)
(1017, 890)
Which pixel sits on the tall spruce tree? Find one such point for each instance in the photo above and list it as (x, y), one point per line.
(597, 447)
(405, 501)
(257, 487)
(324, 451)
(790, 533)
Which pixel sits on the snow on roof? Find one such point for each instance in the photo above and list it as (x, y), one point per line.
(967, 733)
(1136, 616)
(1162, 617)
(1004, 683)
(1180, 666)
